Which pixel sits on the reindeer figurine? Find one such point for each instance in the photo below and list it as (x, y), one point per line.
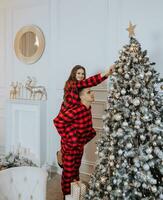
(35, 90)
(13, 90)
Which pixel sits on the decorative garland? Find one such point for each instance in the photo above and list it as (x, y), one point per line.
(14, 160)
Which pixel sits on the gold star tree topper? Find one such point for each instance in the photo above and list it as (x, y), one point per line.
(130, 29)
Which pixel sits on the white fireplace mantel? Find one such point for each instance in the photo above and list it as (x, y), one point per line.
(26, 128)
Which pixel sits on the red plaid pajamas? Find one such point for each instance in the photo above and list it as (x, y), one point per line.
(77, 125)
(74, 124)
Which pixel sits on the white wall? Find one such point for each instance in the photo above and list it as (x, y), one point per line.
(83, 32)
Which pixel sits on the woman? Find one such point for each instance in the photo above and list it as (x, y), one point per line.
(76, 81)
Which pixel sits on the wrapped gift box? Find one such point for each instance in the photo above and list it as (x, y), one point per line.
(78, 191)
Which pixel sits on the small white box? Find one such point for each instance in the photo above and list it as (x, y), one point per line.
(78, 191)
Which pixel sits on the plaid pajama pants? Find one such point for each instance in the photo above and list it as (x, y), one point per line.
(71, 160)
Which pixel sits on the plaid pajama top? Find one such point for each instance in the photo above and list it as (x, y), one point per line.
(76, 126)
(72, 93)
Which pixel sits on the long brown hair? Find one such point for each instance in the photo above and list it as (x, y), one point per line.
(72, 78)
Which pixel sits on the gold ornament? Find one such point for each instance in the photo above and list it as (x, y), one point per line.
(130, 29)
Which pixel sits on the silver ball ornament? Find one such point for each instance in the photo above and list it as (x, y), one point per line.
(146, 167)
(125, 124)
(129, 145)
(127, 76)
(109, 188)
(142, 137)
(141, 76)
(154, 189)
(120, 152)
(158, 121)
(117, 117)
(136, 102)
(151, 103)
(137, 85)
(112, 157)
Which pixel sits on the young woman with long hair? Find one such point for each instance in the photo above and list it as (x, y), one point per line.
(76, 81)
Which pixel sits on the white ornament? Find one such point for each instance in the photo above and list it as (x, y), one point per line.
(120, 152)
(101, 154)
(118, 191)
(141, 75)
(137, 122)
(120, 132)
(114, 181)
(137, 85)
(126, 183)
(152, 94)
(135, 92)
(158, 121)
(112, 157)
(154, 144)
(109, 188)
(154, 189)
(136, 102)
(125, 124)
(146, 167)
(117, 117)
(91, 192)
(135, 169)
(126, 104)
(106, 128)
(142, 137)
(117, 166)
(120, 70)
(144, 185)
(159, 137)
(149, 150)
(149, 73)
(153, 181)
(161, 196)
(123, 91)
(145, 117)
(127, 76)
(129, 145)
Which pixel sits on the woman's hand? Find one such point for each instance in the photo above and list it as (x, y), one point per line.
(109, 71)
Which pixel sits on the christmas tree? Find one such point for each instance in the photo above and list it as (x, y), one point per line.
(130, 151)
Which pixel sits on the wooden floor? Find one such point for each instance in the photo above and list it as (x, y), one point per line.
(54, 187)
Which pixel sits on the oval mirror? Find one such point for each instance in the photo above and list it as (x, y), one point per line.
(29, 44)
